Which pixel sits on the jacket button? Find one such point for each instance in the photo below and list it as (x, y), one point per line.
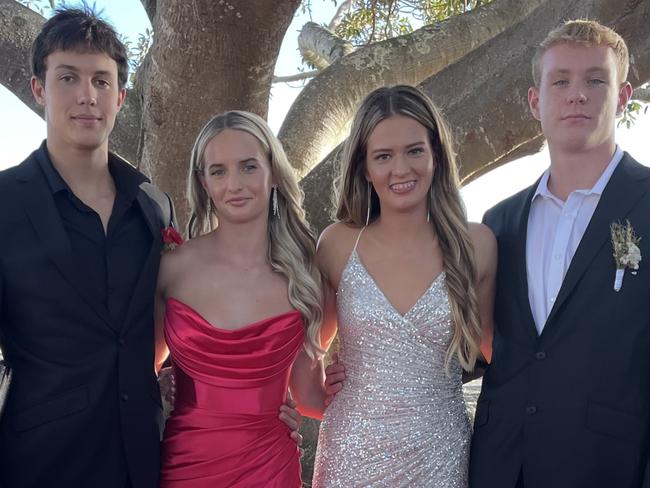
(531, 410)
(125, 397)
(540, 355)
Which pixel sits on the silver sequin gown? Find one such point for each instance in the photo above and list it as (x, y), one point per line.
(400, 420)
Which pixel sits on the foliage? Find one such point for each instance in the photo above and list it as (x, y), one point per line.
(631, 112)
(370, 21)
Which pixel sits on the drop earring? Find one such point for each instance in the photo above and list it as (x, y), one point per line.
(274, 197)
(369, 204)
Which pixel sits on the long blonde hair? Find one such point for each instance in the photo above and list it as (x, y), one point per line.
(292, 247)
(448, 213)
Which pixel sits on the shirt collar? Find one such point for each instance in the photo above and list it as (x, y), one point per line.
(127, 179)
(543, 191)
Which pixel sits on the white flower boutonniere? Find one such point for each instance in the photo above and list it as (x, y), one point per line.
(627, 254)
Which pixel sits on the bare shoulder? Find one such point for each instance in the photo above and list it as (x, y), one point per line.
(173, 262)
(334, 247)
(485, 246)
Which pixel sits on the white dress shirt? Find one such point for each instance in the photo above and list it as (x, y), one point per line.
(555, 229)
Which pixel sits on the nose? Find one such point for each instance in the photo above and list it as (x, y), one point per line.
(87, 94)
(234, 182)
(401, 165)
(578, 96)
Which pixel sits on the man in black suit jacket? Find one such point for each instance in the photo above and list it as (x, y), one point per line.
(566, 400)
(79, 258)
(78, 264)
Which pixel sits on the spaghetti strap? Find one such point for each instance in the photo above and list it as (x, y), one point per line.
(358, 237)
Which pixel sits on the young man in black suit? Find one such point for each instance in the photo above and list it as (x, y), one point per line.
(79, 257)
(566, 400)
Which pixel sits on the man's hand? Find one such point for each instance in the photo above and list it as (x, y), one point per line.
(290, 416)
(334, 377)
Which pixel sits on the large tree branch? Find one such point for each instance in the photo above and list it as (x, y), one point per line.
(320, 114)
(18, 27)
(321, 47)
(484, 95)
(641, 95)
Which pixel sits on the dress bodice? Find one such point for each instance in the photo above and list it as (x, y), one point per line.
(210, 362)
(400, 419)
(224, 430)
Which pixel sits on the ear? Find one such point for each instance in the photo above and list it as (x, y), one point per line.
(533, 101)
(624, 95)
(38, 90)
(121, 96)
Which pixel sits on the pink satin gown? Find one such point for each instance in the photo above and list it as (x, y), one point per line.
(224, 430)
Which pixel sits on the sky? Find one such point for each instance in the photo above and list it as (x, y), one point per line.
(21, 130)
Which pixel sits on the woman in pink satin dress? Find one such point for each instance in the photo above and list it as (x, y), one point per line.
(239, 306)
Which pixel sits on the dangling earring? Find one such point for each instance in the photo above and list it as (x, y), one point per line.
(369, 204)
(274, 197)
(429, 203)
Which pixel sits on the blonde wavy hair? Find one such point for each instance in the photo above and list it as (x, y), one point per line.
(292, 246)
(584, 33)
(447, 211)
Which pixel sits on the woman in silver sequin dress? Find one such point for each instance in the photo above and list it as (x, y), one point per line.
(410, 285)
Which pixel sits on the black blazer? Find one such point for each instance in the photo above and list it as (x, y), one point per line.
(572, 405)
(80, 387)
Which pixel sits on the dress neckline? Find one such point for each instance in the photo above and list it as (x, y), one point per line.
(239, 329)
(355, 255)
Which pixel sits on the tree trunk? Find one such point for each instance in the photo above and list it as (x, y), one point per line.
(202, 62)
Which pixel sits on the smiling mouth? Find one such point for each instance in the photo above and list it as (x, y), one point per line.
(402, 187)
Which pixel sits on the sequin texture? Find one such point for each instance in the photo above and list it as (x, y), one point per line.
(400, 420)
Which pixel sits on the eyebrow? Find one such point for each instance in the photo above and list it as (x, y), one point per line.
(69, 67)
(595, 69)
(241, 161)
(408, 146)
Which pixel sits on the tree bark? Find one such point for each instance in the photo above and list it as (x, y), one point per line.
(316, 121)
(202, 63)
(641, 95)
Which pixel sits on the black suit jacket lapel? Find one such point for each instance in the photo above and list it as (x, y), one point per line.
(41, 210)
(618, 198)
(144, 287)
(521, 233)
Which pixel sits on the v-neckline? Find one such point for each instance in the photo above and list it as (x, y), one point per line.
(385, 298)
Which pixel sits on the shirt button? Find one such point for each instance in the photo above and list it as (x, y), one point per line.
(558, 256)
(125, 397)
(540, 355)
(531, 410)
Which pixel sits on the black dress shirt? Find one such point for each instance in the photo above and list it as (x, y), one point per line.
(109, 263)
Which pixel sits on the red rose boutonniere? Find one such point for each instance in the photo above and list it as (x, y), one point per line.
(171, 239)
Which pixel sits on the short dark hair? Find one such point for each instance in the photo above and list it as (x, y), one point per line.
(78, 29)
